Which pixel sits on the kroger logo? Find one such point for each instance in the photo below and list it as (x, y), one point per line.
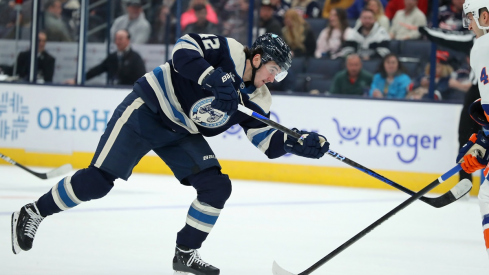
(384, 136)
(13, 114)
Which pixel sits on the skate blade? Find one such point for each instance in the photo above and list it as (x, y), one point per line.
(15, 246)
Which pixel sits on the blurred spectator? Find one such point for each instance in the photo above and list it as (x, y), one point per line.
(332, 38)
(162, 28)
(123, 66)
(391, 81)
(447, 87)
(378, 9)
(355, 10)
(307, 8)
(352, 81)
(395, 5)
(45, 63)
(134, 21)
(409, 15)
(189, 16)
(335, 4)
(201, 25)
(280, 7)
(268, 23)
(450, 16)
(7, 20)
(236, 23)
(57, 29)
(298, 34)
(369, 40)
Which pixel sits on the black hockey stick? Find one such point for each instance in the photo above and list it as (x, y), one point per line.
(454, 194)
(51, 174)
(277, 270)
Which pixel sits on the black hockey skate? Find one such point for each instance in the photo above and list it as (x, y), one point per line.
(188, 261)
(24, 227)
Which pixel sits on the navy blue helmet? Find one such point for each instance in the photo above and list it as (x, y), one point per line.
(274, 49)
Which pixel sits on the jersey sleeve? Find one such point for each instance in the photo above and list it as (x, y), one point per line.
(461, 41)
(267, 139)
(193, 55)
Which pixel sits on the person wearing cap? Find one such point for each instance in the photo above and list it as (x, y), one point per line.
(268, 22)
(169, 111)
(134, 21)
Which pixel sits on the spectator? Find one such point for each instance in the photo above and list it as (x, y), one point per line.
(7, 20)
(378, 9)
(189, 16)
(329, 5)
(450, 16)
(391, 81)
(307, 8)
(298, 34)
(123, 66)
(201, 25)
(369, 40)
(134, 21)
(236, 23)
(57, 29)
(396, 5)
(332, 38)
(268, 22)
(45, 62)
(162, 27)
(447, 87)
(409, 15)
(355, 10)
(279, 7)
(352, 81)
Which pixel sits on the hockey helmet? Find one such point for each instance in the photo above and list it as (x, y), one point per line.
(274, 49)
(473, 7)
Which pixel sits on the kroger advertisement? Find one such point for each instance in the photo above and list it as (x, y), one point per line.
(388, 135)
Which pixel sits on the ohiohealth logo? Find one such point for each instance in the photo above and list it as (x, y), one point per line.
(388, 133)
(13, 114)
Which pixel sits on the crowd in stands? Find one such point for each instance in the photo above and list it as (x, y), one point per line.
(366, 38)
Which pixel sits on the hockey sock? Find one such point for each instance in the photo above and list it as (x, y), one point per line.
(84, 185)
(201, 218)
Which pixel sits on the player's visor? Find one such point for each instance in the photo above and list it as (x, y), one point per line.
(278, 73)
(466, 20)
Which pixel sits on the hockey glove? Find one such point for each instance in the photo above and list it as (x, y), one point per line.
(310, 145)
(221, 85)
(474, 154)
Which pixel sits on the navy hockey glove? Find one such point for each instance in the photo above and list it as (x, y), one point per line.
(221, 85)
(474, 154)
(310, 145)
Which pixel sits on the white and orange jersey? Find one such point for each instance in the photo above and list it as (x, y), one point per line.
(479, 61)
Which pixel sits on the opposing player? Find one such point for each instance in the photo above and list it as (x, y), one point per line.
(476, 19)
(170, 109)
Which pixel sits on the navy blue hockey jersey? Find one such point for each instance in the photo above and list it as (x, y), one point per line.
(174, 90)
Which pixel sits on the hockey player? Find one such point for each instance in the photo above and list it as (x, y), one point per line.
(170, 109)
(476, 19)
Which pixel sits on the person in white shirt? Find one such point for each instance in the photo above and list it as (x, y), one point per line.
(410, 15)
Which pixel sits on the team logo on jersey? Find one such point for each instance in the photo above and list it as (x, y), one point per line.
(204, 115)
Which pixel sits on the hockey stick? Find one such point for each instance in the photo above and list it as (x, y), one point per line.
(51, 174)
(454, 194)
(277, 270)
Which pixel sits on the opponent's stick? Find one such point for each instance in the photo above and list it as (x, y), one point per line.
(454, 194)
(51, 174)
(277, 270)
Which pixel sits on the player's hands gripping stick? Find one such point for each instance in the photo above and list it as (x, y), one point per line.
(309, 145)
(474, 154)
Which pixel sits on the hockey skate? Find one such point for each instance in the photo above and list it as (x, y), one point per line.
(188, 261)
(24, 226)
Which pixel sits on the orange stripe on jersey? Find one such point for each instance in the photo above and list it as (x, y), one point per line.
(473, 137)
(486, 237)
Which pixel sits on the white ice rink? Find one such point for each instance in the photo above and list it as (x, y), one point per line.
(133, 230)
